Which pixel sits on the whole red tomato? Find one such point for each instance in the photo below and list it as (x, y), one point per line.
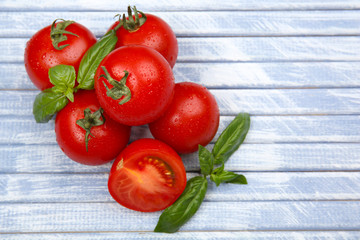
(86, 134)
(134, 85)
(41, 54)
(147, 176)
(191, 119)
(154, 33)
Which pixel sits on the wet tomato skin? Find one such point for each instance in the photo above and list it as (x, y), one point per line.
(108, 141)
(40, 55)
(147, 176)
(191, 119)
(150, 80)
(154, 33)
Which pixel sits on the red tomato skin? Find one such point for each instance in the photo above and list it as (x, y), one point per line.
(110, 138)
(154, 33)
(150, 81)
(40, 55)
(192, 119)
(148, 147)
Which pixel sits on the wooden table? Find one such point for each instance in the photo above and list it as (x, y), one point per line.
(293, 65)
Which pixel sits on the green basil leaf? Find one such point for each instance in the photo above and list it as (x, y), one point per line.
(47, 103)
(231, 138)
(227, 177)
(92, 58)
(206, 160)
(62, 76)
(185, 206)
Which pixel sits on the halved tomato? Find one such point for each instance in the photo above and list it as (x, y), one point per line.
(147, 176)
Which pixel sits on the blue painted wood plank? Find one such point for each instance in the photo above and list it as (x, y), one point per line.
(234, 75)
(274, 186)
(233, 49)
(212, 216)
(264, 129)
(45, 158)
(257, 23)
(176, 5)
(233, 101)
(301, 164)
(192, 235)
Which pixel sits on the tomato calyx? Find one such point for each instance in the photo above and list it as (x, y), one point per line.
(91, 120)
(119, 88)
(130, 24)
(57, 33)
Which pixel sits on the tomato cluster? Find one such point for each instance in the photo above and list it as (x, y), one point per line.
(124, 79)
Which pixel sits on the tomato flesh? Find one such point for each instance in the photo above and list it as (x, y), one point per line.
(147, 176)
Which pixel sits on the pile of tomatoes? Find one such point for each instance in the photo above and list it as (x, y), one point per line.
(133, 85)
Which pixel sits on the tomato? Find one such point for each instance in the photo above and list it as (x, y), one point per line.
(154, 33)
(147, 176)
(41, 55)
(137, 86)
(106, 138)
(191, 119)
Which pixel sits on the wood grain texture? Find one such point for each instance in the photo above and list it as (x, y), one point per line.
(192, 235)
(164, 5)
(209, 23)
(250, 157)
(235, 75)
(274, 186)
(263, 129)
(227, 216)
(292, 64)
(234, 101)
(243, 49)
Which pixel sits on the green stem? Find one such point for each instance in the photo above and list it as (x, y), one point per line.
(130, 24)
(57, 33)
(90, 120)
(119, 88)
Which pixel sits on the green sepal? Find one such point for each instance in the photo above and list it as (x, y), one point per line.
(90, 120)
(57, 33)
(119, 88)
(130, 24)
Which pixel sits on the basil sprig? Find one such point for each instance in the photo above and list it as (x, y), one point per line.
(52, 100)
(190, 200)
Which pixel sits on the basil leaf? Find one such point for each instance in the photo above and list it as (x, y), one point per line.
(206, 160)
(62, 76)
(231, 138)
(227, 177)
(185, 206)
(47, 103)
(92, 58)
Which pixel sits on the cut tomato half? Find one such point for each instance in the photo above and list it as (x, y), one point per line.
(147, 176)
